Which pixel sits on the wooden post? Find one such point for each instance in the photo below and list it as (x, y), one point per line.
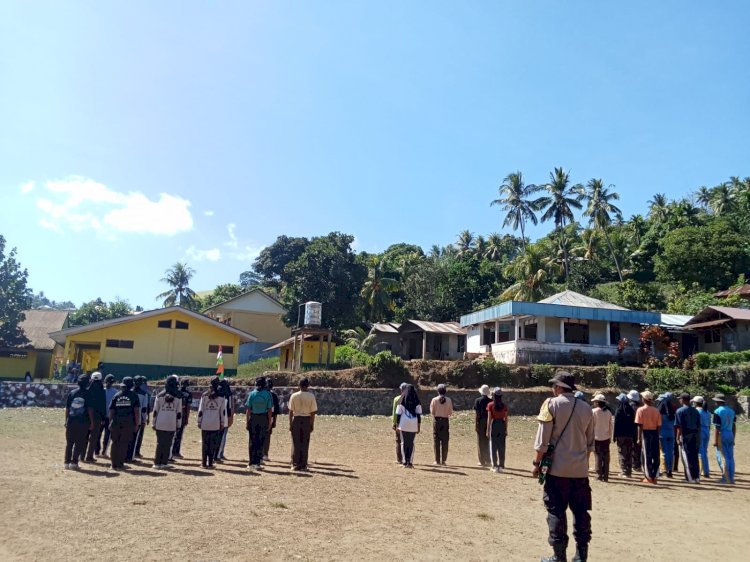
(497, 331)
(301, 356)
(424, 345)
(609, 340)
(320, 350)
(562, 330)
(294, 353)
(328, 353)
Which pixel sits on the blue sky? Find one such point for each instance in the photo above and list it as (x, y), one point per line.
(136, 135)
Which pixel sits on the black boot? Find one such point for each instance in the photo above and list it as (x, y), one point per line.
(559, 556)
(582, 553)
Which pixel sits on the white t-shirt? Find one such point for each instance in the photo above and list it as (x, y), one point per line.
(408, 422)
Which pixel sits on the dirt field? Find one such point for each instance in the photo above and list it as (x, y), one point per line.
(356, 504)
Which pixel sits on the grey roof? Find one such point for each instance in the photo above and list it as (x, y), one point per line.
(386, 327)
(571, 298)
(245, 293)
(432, 327)
(38, 325)
(675, 319)
(709, 313)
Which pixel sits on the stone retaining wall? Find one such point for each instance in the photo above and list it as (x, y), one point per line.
(331, 401)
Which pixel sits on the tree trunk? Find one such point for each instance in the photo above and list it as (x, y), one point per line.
(565, 250)
(523, 238)
(612, 251)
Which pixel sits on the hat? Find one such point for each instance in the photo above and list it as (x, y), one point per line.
(109, 377)
(599, 398)
(578, 394)
(622, 397)
(402, 386)
(699, 399)
(719, 398)
(497, 391)
(96, 376)
(441, 387)
(648, 395)
(684, 396)
(634, 396)
(564, 380)
(127, 383)
(484, 390)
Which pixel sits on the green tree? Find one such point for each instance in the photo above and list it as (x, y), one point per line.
(220, 294)
(558, 205)
(250, 279)
(703, 197)
(178, 278)
(600, 211)
(637, 227)
(378, 291)
(695, 298)
(98, 310)
(632, 295)
(273, 260)
(358, 338)
(15, 297)
(515, 200)
(532, 271)
(722, 200)
(657, 207)
(465, 243)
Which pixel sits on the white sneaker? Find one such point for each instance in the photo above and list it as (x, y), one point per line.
(258, 467)
(492, 469)
(500, 470)
(251, 467)
(265, 458)
(66, 466)
(73, 466)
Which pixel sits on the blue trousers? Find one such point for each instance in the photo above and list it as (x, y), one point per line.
(705, 437)
(727, 449)
(667, 449)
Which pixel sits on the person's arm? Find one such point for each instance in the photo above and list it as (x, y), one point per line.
(179, 413)
(200, 412)
(137, 414)
(91, 418)
(67, 409)
(229, 410)
(489, 424)
(312, 421)
(432, 407)
(450, 407)
(155, 413)
(507, 420)
(269, 404)
(678, 430)
(541, 443)
(419, 418)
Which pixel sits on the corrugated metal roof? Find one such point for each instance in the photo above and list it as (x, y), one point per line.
(742, 290)
(733, 313)
(287, 341)
(434, 327)
(709, 323)
(675, 319)
(386, 327)
(38, 325)
(571, 298)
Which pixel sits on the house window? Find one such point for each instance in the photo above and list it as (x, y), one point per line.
(164, 324)
(180, 325)
(225, 349)
(712, 336)
(437, 343)
(461, 344)
(121, 344)
(529, 330)
(614, 333)
(488, 335)
(577, 332)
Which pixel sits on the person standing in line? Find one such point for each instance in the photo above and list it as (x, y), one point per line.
(396, 400)
(134, 449)
(212, 418)
(634, 398)
(166, 420)
(648, 419)
(497, 430)
(566, 424)
(725, 422)
(409, 421)
(667, 410)
(441, 408)
(124, 418)
(78, 419)
(187, 401)
(603, 432)
(700, 405)
(302, 410)
(225, 391)
(27, 377)
(481, 426)
(687, 423)
(624, 434)
(98, 402)
(109, 393)
(276, 413)
(259, 414)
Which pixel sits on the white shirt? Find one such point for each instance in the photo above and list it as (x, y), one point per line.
(408, 422)
(604, 424)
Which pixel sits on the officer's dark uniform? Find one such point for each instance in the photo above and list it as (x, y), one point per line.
(77, 423)
(187, 400)
(98, 405)
(123, 412)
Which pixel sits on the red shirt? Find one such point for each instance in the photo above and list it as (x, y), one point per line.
(501, 414)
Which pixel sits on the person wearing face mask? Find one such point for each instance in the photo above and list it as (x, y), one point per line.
(166, 420)
(78, 419)
(124, 419)
(212, 419)
(109, 393)
(98, 402)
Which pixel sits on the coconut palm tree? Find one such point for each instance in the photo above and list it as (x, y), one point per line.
(658, 207)
(515, 199)
(637, 227)
(600, 211)
(466, 243)
(533, 272)
(703, 196)
(722, 200)
(481, 246)
(435, 251)
(495, 247)
(358, 338)
(378, 290)
(559, 205)
(178, 278)
(589, 247)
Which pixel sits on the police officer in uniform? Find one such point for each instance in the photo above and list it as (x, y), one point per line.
(187, 401)
(78, 420)
(125, 419)
(134, 447)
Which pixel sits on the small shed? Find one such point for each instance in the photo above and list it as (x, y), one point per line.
(421, 339)
(721, 328)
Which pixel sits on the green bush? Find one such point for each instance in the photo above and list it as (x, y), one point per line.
(744, 391)
(702, 360)
(541, 373)
(613, 371)
(349, 356)
(725, 358)
(256, 368)
(493, 373)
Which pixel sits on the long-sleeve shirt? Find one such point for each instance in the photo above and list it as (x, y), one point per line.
(167, 413)
(439, 410)
(109, 393)
(212, 413)
(570, 458)
(395, 405)
(604, 424)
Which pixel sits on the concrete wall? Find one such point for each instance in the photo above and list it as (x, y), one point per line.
(16, 367)
(267, 327)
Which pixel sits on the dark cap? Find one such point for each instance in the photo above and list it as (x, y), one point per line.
(564, 380)
(127, 383)
(685, 396)
(109, 377)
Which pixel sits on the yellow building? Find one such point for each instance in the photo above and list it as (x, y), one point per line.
(258, 313)
(36, 357)
(314, 353)
(154, 344)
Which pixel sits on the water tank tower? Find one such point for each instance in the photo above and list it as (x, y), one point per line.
(313, 312)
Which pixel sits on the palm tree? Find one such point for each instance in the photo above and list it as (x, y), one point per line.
(589, 247)
(358, 339)
(559, 205)
(178, 278)
(637, 226)
(657, 207)
(378, 290)
(514, 198)
(600, 210)
(703, 196)
(532, 271)
(722, 200)
(465, 243)
(481, 246)
(494, 251)
(435, 251)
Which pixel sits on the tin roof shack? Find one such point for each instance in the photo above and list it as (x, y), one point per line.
(420, 339)
(36, 357)
(721, 328)
(385, 337)
(743, 291)
(562, 329)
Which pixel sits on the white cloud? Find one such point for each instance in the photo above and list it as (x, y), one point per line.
(196, 255)
(79, 203)
(28, 187)
(208, 213)
(232, 242)
(247, 253)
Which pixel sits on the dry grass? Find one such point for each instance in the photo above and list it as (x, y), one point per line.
(356, 504)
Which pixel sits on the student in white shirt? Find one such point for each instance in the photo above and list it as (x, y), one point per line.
(166, 420)
(212, 419)
(604, 424)
(409, 421)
